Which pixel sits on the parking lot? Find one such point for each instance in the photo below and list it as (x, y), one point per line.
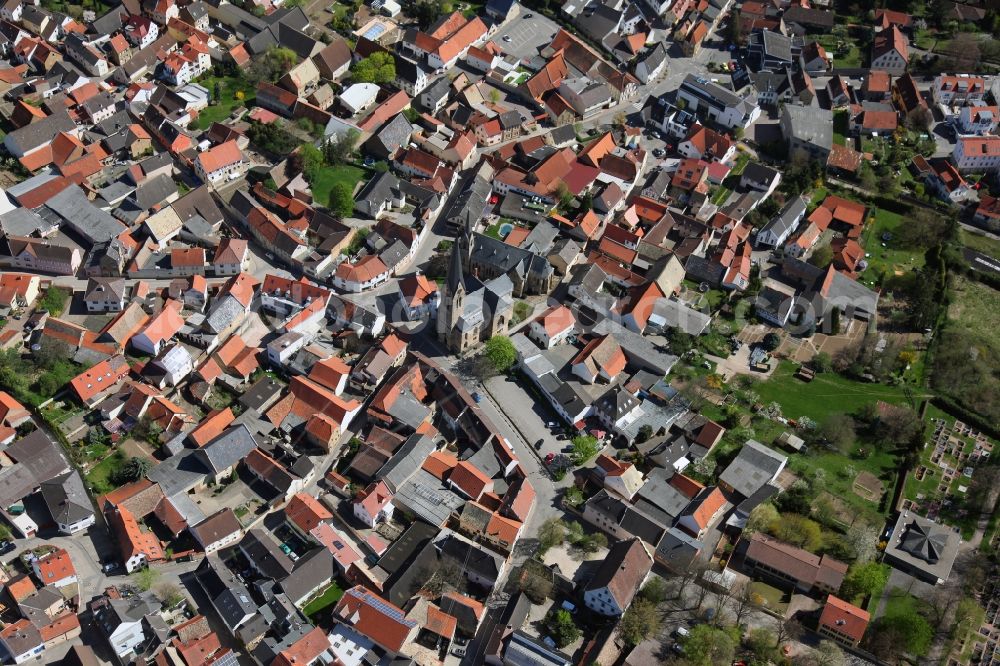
(526, 35)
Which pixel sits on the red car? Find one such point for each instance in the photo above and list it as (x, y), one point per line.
(549, 458)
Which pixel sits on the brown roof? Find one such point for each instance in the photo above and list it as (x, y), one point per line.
(217, 526)
(623, 570)
(795, 562)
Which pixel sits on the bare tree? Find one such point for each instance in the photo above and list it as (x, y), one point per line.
(786, 630)
(742, 602)
(700, 591)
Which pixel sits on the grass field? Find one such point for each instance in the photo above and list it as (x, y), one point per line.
(839, 482)
(99, 476)
(980, 243)
(850, 58)
(327, 598)
(891, 258)
(327, 177)
(827, 394)
(230, 89)
(841, 119)
(974, 308)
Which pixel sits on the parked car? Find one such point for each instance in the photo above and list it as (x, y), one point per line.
(539, 443)
(458, 651)
(528, 15)
(659, 152)
(7, 547)
(108, 567)
(478, 398)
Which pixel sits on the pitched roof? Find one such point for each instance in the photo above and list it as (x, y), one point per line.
(374, 617)
(306, 512)
(844, 618)
(623, 570)
(220, 156)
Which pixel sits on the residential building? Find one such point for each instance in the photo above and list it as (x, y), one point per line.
(808, 131)
(221, 164)
(977, 153)
(890, 51)
(959, 90)
(720, 105)
(843, 622)
(793, 567)
(618, 578)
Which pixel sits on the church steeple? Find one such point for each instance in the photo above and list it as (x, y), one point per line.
(453, 298)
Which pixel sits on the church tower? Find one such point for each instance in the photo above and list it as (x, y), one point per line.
(453, 298)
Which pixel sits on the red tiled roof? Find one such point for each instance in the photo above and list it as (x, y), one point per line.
(470, 479)
(306, 512)
(374, 617)
(844, 618)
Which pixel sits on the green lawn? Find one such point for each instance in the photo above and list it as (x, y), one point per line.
(769, 596)
(901, 602)
(841, 121)
(838, 480)
(230, 90)
(327, 177)
(980, 243)
(891, 258)
(827, 394)
(851, 57)
(974, 308)
(327, 598)
(99, 477)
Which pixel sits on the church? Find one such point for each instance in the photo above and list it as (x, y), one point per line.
(471, 311)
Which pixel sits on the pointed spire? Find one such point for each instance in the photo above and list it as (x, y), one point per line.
(456, 273)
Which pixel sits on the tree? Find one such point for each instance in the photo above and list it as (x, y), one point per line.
(341, 201)
(645, 432)
(905, 631)
(339, 148)
(838, 432)
(827, 653)
(145, 578)
(310, 161)
(899, 425)
(680, 342)
(132, 470)
(761, 518)
(217, 92)
(786, 630)
(272, 65)
(798, 531)
(170, 594)
(862, 537)
(500, 353)
(551, 533)
(379, 67)
(822, 361)
(822, 255)
(4, 532)
(924, 229)
(584, 448)
(743, 602)
(771, 342)
(564, 195)
(654, 591)
(440, 579)
(639, 622)
(706, 645)
(54, 301)
(864, 579)
(761, 643)
(561, 627)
